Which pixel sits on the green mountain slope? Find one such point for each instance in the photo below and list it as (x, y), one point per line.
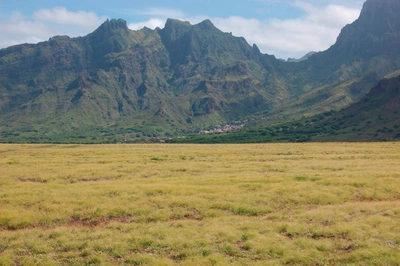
(124, 78)
(376, 117)
(116, 83)
(365, 51)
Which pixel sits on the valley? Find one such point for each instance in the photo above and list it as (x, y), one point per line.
(116, 83)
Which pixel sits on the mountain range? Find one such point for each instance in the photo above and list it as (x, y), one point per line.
(116, 83)
(374, 118)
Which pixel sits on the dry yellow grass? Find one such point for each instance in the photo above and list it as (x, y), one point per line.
(261, 204)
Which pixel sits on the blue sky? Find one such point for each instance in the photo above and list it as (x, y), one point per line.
(279, 27)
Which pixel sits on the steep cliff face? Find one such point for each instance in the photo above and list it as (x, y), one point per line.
(117, 75)
(375, 32)
(365, 51)
(383, 97)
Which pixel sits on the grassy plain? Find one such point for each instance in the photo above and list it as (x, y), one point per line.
(261, 204)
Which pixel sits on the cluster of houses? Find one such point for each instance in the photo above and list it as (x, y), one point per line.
(218, 129)
(221, 129)
(151, 140)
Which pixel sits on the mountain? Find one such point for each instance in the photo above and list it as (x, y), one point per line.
(365, 51)
(134, 83)
(305, 57)
(116, 83)
(376, 117)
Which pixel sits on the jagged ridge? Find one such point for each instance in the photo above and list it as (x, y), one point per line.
(182, 78)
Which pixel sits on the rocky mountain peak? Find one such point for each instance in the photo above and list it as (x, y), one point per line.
(174, 29)
(172, 23)
(111, 36)
(108, 28)
(380, 16)
(113, 24)
(206, 25)
(374, 32)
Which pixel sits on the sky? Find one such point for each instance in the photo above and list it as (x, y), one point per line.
(284, 28)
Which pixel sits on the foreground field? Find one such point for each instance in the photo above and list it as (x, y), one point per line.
(265, 204)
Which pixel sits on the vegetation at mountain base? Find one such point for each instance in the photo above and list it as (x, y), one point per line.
(116, 83)
(374, 118)
(254, 204)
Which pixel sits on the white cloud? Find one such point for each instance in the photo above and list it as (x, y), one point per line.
(61, 15)
(162, 12)
(20, 30)
(47, 23)
(151, 23)
(334, 16)
(317, 30)
(158, 17)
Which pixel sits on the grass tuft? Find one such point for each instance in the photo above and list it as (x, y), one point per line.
(261, 204)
